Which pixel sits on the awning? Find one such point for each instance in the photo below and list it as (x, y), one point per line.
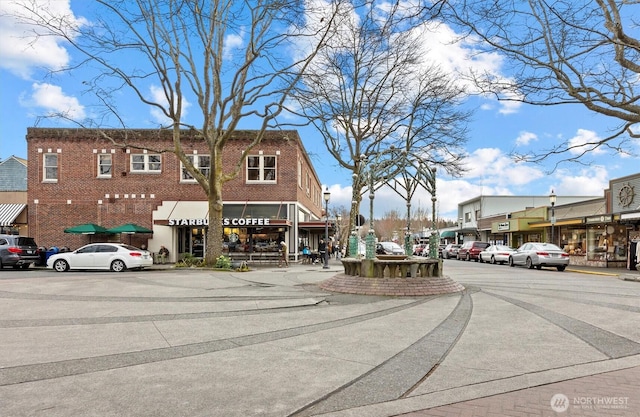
(9, 213)
(557, 223)
(190, 210)
(316, 224)
(447, 234)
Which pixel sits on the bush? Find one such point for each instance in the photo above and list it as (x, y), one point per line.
(223, 262)
(189, 261)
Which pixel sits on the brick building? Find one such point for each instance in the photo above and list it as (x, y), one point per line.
(76, 176)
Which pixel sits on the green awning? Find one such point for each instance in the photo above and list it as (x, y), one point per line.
(447, 234)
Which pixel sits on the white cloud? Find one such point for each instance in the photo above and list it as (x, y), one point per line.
(54, 101)
(588, 181)
(158, 96)
(495, 169)
(524, 138)
(585, 140)
(231, 42)
(21, 52)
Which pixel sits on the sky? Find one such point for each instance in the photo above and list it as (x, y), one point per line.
(495, 129)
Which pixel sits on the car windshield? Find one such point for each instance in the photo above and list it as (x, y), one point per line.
(502, 247)
(26, 241)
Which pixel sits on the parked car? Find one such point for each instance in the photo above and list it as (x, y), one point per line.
(421, 249)
(116, 257)
(389, 248)
(534, 254)
(496, 254)
(450, 251)
(471, 250)
(18, 251)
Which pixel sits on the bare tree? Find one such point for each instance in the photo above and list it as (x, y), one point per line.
(580, 51)
(183, 46)
(376, 102)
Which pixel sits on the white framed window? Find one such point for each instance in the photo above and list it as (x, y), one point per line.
(201, 162)
(144, 162)
(105, 165)
(50, 167)
(261, 168)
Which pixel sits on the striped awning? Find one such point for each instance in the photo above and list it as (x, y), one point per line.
(9, 212)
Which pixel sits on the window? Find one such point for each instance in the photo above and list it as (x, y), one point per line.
(145, 163)
(105, 165)
(467, 217)
(201, 162)
(50, 170)
(261, 169)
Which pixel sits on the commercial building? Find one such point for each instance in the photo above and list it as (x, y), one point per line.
(78, 176)
(596, 231)
(13, 196)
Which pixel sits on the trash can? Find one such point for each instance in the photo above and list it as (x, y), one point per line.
(42, 252)
(50, 252)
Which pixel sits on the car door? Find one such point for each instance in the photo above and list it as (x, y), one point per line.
(83, 258)
(520, 255)
(103, 256)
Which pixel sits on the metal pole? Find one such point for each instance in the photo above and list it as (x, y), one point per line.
(326, 235)
(370, 243)
(553, 222)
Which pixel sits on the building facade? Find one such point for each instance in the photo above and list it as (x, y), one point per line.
(77, 176)
(13, 196)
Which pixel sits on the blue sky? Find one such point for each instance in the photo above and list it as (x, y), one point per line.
(495, 130)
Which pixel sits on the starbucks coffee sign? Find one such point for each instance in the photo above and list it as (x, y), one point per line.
(248, 221)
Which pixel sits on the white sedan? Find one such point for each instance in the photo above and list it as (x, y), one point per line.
(496, 254)
(116, 257)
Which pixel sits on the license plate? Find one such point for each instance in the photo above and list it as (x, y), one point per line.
(29, 252)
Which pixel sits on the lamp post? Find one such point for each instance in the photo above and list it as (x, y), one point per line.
(326, 195)
(552, 200)
(339, 238)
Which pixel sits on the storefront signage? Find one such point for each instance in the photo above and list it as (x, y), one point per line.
(250, 221)
(599, 219)
(503, 226)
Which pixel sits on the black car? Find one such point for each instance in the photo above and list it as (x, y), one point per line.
(18, 251)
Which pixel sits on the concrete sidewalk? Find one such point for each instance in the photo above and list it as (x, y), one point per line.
(269, 342)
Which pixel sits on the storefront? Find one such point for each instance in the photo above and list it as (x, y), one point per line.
(249, 229)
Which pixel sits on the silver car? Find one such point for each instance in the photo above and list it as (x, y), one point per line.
(116, 257)
(535, 254)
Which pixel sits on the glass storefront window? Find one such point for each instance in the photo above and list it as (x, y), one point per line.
(573, 240)
(606, 242)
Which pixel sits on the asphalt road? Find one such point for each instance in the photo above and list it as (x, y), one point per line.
(269, 342)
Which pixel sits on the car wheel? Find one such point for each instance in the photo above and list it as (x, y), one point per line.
(529, 263)
(60, 265)
(25, 266)
(561, 267)
(511, 262)
(118, 266)
(493, 260)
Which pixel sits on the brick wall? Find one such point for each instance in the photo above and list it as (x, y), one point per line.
(129, 197)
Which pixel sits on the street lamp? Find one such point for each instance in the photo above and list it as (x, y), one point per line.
(552, 200)
(326, 195)
(339, 238)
